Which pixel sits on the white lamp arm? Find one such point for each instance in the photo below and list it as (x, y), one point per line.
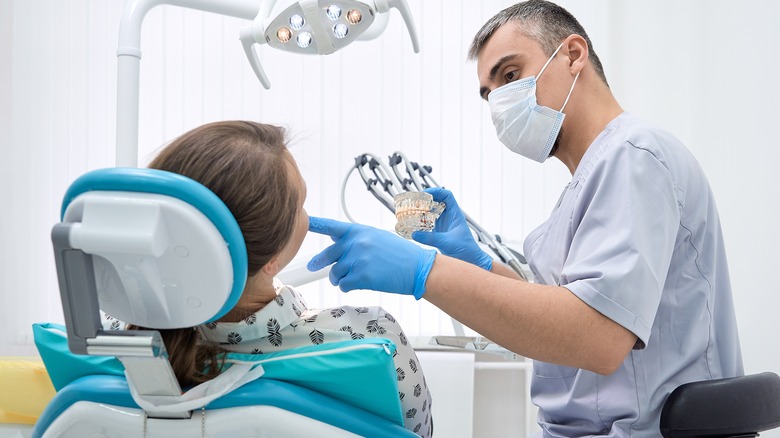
(248, 41)
(129, 62)
(403, 8)
(377, 27)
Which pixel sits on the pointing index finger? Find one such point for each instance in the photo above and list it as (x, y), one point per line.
(330, 227)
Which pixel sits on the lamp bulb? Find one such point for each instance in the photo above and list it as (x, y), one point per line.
(340, 30)
(283, 34)
(297, 22)
(334, 12)
(303, 40)
(354, 16)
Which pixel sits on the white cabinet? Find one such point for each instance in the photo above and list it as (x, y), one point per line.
(477, 394)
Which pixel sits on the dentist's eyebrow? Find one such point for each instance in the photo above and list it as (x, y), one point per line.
(493, 71)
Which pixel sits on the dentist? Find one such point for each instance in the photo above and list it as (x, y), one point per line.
(632, 295)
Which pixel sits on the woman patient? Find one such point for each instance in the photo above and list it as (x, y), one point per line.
(248, 166)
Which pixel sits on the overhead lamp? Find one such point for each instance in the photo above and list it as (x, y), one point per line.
(319, 27)
(305, 26)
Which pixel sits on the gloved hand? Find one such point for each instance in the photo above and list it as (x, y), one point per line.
(452, 234)
(369, 258)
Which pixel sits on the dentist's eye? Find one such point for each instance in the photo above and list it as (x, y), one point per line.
(511, 76)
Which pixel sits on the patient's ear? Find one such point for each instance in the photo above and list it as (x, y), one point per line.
(272, 267)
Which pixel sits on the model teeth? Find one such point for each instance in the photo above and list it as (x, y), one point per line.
(416, 211)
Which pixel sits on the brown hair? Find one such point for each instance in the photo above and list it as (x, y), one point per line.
(247, 165)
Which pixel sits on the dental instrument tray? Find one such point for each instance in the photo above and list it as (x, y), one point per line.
(474, 343)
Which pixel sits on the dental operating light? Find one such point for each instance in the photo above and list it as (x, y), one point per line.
(307, 26)
(319, 27)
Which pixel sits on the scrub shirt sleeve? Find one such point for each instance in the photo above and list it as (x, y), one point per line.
(624, 227)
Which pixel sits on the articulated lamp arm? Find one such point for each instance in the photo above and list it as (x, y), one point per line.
(129, 63)
(406, 14)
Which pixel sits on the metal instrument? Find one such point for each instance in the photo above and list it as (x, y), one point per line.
(402, 175)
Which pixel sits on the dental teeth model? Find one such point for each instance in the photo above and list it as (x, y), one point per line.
(416, 211)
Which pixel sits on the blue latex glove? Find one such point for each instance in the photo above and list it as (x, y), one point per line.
(369, 258)
(452, 234)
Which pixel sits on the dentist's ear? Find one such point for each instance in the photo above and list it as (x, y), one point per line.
(576, 48)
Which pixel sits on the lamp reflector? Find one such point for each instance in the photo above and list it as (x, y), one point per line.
(354, 16)
(283, 34)
(334, 12)
(303, 39)
(340, 30)
(297, 22)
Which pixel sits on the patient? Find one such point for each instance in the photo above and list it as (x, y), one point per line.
(248, 166)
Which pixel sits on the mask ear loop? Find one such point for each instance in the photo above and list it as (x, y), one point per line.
(548, 62)
(544, 67)
(570, 90)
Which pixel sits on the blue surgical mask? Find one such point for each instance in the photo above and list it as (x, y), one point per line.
(523, 126)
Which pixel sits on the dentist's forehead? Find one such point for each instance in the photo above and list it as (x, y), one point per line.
(508, 44)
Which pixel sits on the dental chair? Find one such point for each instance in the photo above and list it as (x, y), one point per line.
(733, 407)
(156, 249)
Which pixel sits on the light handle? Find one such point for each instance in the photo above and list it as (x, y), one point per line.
(385, 5)
(253, 34)
(248, 42)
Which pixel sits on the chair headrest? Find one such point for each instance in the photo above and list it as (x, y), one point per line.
(167, 251)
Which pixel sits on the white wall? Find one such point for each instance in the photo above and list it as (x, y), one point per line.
(707, 70)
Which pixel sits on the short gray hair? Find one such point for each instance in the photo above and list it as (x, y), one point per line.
(542, 21)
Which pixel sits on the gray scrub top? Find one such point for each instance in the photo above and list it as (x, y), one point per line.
(636, 236)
